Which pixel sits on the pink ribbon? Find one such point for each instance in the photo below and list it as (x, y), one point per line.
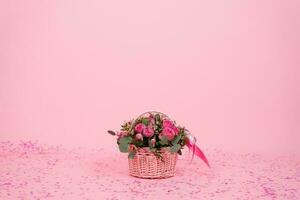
(191, 144)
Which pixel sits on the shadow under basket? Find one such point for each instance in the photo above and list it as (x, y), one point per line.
(146, 164)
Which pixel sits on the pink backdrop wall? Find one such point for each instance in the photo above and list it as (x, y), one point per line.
(228, 70)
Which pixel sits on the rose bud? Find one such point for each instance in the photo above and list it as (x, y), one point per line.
(153, 141)
(139, 136)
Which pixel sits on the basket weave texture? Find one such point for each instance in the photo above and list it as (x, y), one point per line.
(146, 164)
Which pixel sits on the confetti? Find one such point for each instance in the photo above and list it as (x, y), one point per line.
(30, 170)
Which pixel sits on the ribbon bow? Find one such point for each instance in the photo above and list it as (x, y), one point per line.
(191, 144)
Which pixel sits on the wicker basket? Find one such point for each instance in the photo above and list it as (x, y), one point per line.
(146, 164)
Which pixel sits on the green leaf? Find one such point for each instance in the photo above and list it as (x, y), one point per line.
(124, 144)
(138, 143)
(176, 140)
(111, 132)
(163, 141)
(127, 139)
(145, 121)
(175, 148)
(131, 154)
(124, 147)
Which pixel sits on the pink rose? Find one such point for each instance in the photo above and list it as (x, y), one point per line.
(148, 132)
(140, 127)
(139, 136)
(168, 123)
(176, 130)
(169, 133)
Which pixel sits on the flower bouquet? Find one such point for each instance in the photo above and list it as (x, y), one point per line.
(153, 142)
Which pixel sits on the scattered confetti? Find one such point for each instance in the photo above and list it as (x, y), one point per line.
(33, 171)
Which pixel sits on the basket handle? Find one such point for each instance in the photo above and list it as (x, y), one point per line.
(153, 112)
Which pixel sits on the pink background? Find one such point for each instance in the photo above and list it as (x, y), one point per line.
(228, 70)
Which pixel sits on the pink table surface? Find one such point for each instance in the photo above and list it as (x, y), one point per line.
(33, 171)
